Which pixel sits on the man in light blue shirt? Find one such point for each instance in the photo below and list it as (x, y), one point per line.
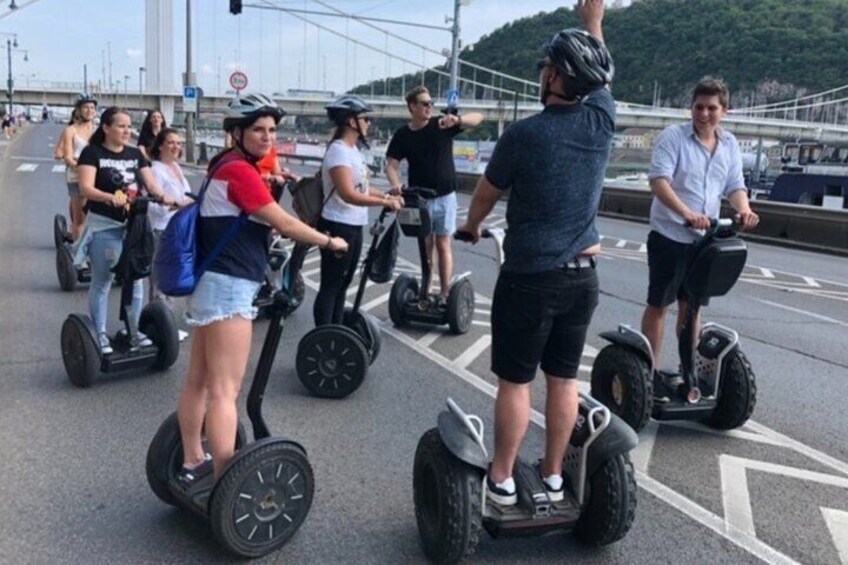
(693, 166)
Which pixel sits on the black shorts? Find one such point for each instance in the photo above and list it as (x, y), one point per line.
(668, 261)
(541, 318)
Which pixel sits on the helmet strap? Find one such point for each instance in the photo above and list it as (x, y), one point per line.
(251, 158)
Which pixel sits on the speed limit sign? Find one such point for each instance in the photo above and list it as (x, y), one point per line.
(238, 80)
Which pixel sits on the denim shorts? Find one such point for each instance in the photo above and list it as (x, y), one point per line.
(219, 297)
(541, 318)
(74, 189)
(443, 213)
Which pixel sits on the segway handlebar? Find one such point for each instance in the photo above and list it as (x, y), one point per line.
(497, 234)
(420, 191)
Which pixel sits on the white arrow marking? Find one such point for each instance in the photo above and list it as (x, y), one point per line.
(837, 523)
(734, 487)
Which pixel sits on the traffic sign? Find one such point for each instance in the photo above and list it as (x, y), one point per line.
(238, 80)
(453, 98)
(190, 95)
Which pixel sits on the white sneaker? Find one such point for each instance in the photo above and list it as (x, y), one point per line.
(501, 493)
(181, 334)
(105, 344)
(553, 486)
(143, 340)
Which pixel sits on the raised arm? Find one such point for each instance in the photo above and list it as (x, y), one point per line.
(592, 14)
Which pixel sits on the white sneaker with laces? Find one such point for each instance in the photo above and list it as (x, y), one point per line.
(105, 344)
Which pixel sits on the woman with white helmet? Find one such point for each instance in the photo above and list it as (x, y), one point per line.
(221, 307)
(345, 176)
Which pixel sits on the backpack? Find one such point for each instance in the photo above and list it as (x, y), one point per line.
(308, 198)
(175, 266)
(137, 249)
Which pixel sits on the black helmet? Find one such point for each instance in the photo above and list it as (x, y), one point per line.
(245, 110)
(344, 107)
(581, 56)
(85, 98)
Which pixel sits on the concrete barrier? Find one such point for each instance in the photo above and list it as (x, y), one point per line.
(788, 225)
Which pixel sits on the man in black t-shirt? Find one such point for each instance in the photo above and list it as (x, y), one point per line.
(427, 145)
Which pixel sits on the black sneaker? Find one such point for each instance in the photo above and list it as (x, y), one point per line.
(662, 392)
(503, 493)
(187, 478)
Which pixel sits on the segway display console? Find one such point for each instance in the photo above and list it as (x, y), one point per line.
(410, 299)
(264, 494)
(716, 383)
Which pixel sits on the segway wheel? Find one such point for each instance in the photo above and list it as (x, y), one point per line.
(60, 230)
(165, 457)
(621, 379)
(262, 499)
(80, 350)
(609, 512)
(157, 321)
(332, 361)
(737, 393)
(404, 289)
(65, 270)
(368, 329)
(461, 306)
(448, 501)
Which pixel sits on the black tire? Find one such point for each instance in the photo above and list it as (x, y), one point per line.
(80, 350)
(278, 480)
(65, 270)
(404, 289)
(461, 306)
(165, 457)
(448, 501)
(621, 380)
(157, 321)
(60, 230)
(737, 393)
(332, 361)
(368, 329)
(611, 505)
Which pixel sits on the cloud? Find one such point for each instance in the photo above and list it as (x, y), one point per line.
(135, 53)
(207, 69)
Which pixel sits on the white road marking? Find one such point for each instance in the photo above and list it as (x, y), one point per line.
(22, 158)
(811, 282)
(735, 434)
(27, 167)
(837, 523)
(621, 243)
(804, 312)
(368, 306)
(470, 354)
(641, 455)
(766, 273)
(58, 168)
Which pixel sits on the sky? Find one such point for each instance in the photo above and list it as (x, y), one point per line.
(275, 49)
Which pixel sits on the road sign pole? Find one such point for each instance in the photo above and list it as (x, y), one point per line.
(188, 81)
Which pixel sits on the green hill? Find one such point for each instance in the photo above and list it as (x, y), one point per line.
(769, 49)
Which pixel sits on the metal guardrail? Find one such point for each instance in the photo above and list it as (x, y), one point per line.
(787, 225)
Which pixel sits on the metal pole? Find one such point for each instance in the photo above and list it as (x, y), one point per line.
(454, 74)
(189, 81)
(85, 79)
(10, 83)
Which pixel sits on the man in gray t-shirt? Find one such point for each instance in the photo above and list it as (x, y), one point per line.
(553, 164)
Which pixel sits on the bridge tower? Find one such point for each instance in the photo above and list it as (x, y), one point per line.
(159, 51)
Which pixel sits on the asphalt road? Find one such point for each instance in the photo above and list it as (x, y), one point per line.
(73, 487)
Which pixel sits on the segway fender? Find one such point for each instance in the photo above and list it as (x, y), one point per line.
(617, 439)
(628, 337)
(457, 438)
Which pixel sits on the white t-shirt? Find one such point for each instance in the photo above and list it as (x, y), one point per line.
(340, 154)
(173, 185)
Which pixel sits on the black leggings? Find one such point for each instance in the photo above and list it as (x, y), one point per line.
(336, 272)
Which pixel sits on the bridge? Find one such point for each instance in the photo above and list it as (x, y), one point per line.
(501, 111)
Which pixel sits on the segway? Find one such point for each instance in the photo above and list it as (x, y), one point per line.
(81, 351)
(411, 302)
(68, 274)
(332, 360)
(716, 383)
(284, 269)
(265, 493)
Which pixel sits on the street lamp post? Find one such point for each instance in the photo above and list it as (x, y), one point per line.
(126, 84)
(11, 41)
(140, 71)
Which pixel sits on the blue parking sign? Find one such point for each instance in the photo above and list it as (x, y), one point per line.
(453, 98)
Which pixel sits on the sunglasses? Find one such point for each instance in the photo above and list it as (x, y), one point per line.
(426, 103)
(365, 119)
